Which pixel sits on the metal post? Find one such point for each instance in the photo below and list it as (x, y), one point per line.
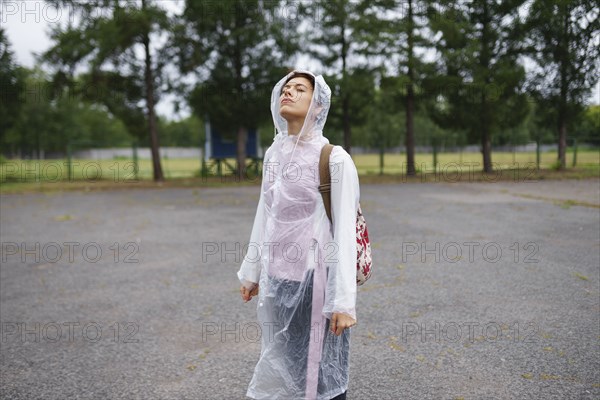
(69, 162)
(537, 153)
(135, 159)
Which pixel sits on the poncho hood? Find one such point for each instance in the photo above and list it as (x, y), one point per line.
(312, 129)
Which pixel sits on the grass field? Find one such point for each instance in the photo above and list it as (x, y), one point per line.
(396, 163)
(23, 174)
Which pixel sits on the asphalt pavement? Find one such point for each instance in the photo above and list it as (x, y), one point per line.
(479, 291)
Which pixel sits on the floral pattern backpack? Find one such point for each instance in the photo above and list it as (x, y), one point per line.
(363, 246)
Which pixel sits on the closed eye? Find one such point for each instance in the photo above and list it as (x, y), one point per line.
(299, 87)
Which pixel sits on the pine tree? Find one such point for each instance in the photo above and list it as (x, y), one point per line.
(395, 34)
(12, 83)
(237, 50)
(563, 41)
(106, 36)
(334, 42)
(479, 80)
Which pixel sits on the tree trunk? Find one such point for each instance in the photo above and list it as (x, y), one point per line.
(562, 143)
(562, 108)
(537, 151)
(410, 99)
(345, 95)
(486, 141)
(347, 129)
(410, 135)
(486, 150)
(149, 78)
(242, 134)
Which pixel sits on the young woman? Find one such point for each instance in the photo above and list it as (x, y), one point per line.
(304, 265)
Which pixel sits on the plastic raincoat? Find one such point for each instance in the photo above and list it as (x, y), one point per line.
(305, 265)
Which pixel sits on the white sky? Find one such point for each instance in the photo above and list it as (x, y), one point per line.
(28, 23)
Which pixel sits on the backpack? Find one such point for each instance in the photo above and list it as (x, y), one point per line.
(363, 246)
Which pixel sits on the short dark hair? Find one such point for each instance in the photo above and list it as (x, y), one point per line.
(310, 78)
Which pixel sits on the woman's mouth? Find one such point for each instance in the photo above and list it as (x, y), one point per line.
(286, 101)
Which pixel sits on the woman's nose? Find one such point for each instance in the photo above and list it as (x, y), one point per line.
(288, 91)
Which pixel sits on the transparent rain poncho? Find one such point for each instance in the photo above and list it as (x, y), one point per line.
(304, 264)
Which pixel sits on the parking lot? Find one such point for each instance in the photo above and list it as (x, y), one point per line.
(479, 291)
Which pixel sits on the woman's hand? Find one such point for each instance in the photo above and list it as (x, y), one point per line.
(247, 294)
(339, 322)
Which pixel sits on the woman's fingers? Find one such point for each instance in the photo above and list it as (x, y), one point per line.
(339, 322)
(245, 294)
(248, 294)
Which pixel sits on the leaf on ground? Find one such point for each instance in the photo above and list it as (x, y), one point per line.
(396, 346)
(547, 377)
(580, 276)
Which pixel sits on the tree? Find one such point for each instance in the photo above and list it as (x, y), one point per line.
(394, 32)
(12, 84)
(382, 123)
(107, 37)
(589, 125)
(479, 74)
(540, 129)
(48, 122)
(333, 42)
(563, 40)
(188, 132)
(359, 99)
(237, 50)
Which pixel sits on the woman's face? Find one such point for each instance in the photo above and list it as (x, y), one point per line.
(295, 98)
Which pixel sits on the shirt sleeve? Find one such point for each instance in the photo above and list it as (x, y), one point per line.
(249, 272)
(340, 295)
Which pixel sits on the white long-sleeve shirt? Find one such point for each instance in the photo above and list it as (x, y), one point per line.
(339, 251)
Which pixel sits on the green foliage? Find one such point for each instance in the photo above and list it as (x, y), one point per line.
(479, 77)
(587, 127)
(237, 49)
(371, 53)
(360, 94)
(563, 41)
(556, 165)
(537, 125)
(104, 41)
(335, 41)
(11, 88)
(47, 121)
(188, 132)
(383, 127)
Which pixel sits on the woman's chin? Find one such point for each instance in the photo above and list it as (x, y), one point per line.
(286, 113)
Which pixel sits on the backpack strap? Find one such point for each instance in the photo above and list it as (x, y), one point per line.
(325, 178)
